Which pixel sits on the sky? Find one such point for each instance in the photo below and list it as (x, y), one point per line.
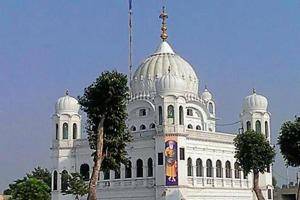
(47, 47)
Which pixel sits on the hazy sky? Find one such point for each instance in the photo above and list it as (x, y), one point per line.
(49, 46)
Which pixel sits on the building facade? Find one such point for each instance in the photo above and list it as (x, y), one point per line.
(176, 152)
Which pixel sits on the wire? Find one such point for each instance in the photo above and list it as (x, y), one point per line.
(229, 124)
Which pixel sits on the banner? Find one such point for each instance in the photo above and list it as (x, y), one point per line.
(171, 162)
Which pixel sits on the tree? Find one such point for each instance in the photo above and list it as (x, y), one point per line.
(104, 102)
(38, 173)
(289, 142)
(41, 174)
(254, 154)
(30, 189)
(12, 186)
(76, 185)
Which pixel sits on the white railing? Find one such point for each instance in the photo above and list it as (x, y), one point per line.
(204, 182)
(217, 182)
(70, 143)
(127, 183)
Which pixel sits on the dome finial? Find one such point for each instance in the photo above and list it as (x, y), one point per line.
(67, 92)
(164, 17)
(253, 91)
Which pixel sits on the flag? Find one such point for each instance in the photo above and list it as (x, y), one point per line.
(130, 5)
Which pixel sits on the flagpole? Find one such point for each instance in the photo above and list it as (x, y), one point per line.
(130, 41)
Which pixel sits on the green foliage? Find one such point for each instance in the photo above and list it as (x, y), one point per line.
(30, 189)
(289, 141)
(253, 152)
(38, 173)
(106, 98)
(41, 174)
(13, 186)
(76, 185)
(7, 192)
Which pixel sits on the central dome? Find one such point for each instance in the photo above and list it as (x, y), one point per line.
(162, 62)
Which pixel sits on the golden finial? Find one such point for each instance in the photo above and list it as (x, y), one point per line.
(164, 17)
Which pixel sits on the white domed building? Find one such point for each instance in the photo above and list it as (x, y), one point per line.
(176, 152)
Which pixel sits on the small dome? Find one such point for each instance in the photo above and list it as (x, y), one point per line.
(255, 102)
(156, 66)
(169, 83)
(67, 104)
(206, 95)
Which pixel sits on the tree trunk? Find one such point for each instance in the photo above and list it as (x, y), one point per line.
(256, 188)
(97, 162)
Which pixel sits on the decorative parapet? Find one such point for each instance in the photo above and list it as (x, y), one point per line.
(210, 182)
(211, 136)
(126, 183)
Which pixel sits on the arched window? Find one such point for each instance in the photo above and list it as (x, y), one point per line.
(228, 169)
(150, 167)
(190, 126)
(237, 171)
(55, 180)
(219, 169)
(142, 112)
(152, 126)
(118, 173)
(248, 125)
(64, 180)
(199, 167)
(85, 172)
(56, 131)
(171, 114)
(189, 112)
(142, 127)
(198, 127)
(245, 175)
(258, 126)
(269, 193)
(189, 167)
(266, 129)
(160, 115)
(211, 108)
(128, 170)
(75, 131)
(106, 174)
(65, 131)
(209, 168)
(139, 168)
(133, 128)
(180, 115)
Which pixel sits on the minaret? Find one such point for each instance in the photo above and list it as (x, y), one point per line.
(67, 126)
(255, 116)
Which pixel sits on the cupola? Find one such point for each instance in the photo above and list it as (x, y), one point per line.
(255, 102)
(206, 95)
(67, 105)
(170, 84)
